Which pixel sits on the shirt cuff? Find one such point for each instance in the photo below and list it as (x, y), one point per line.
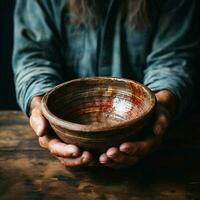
(183, 95)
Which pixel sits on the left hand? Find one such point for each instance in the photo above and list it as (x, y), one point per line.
(130, 153)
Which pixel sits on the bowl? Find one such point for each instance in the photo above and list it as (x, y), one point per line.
(99, 112)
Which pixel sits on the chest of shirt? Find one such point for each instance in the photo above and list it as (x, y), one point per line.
(110, 45)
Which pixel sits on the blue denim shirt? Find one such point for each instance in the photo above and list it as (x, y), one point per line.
(49, 50)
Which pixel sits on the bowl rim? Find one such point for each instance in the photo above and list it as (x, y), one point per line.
(53, 119)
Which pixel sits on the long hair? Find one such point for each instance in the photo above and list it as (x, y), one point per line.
(134, 11)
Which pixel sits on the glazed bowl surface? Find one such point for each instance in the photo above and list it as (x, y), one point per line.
(99, 112)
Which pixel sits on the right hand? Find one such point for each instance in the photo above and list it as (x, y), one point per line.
(68, 154)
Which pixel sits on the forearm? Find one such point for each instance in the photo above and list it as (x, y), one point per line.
(37, 61)
(171, 61)
(37, 85)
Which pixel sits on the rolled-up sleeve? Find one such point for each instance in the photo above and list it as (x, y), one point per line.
(36, 56)
(170, 65)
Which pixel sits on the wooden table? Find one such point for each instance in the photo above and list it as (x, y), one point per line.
(28, 172)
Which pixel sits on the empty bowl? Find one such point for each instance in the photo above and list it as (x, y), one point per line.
(99, 112)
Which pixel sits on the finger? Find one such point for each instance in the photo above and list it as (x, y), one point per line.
(104, 160)
(140, 148)
(162, 122)
(82, 160)
(130, 148)
(119, 157)
(38, 122)
(44, 141)
(58, 148)
(148, 145)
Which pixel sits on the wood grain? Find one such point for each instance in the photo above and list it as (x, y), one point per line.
(28, 172)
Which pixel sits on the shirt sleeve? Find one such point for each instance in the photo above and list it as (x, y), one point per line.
(36, 56)
(170, 65)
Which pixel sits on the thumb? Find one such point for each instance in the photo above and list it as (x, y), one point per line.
(162, 121)
(38, 122)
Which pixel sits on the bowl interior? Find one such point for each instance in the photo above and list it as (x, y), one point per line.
(100, 102)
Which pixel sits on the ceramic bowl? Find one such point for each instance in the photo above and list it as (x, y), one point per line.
(99, 112)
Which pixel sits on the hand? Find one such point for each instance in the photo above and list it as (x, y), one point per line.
(68, 154)
(130, 153)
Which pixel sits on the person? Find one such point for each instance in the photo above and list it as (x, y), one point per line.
(151, 41)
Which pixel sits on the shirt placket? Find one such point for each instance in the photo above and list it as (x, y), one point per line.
(104, 62)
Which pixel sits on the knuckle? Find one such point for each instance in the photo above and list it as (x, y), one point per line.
(50, 147)
(51, 144)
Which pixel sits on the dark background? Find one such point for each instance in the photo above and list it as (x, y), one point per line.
(7, 91)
